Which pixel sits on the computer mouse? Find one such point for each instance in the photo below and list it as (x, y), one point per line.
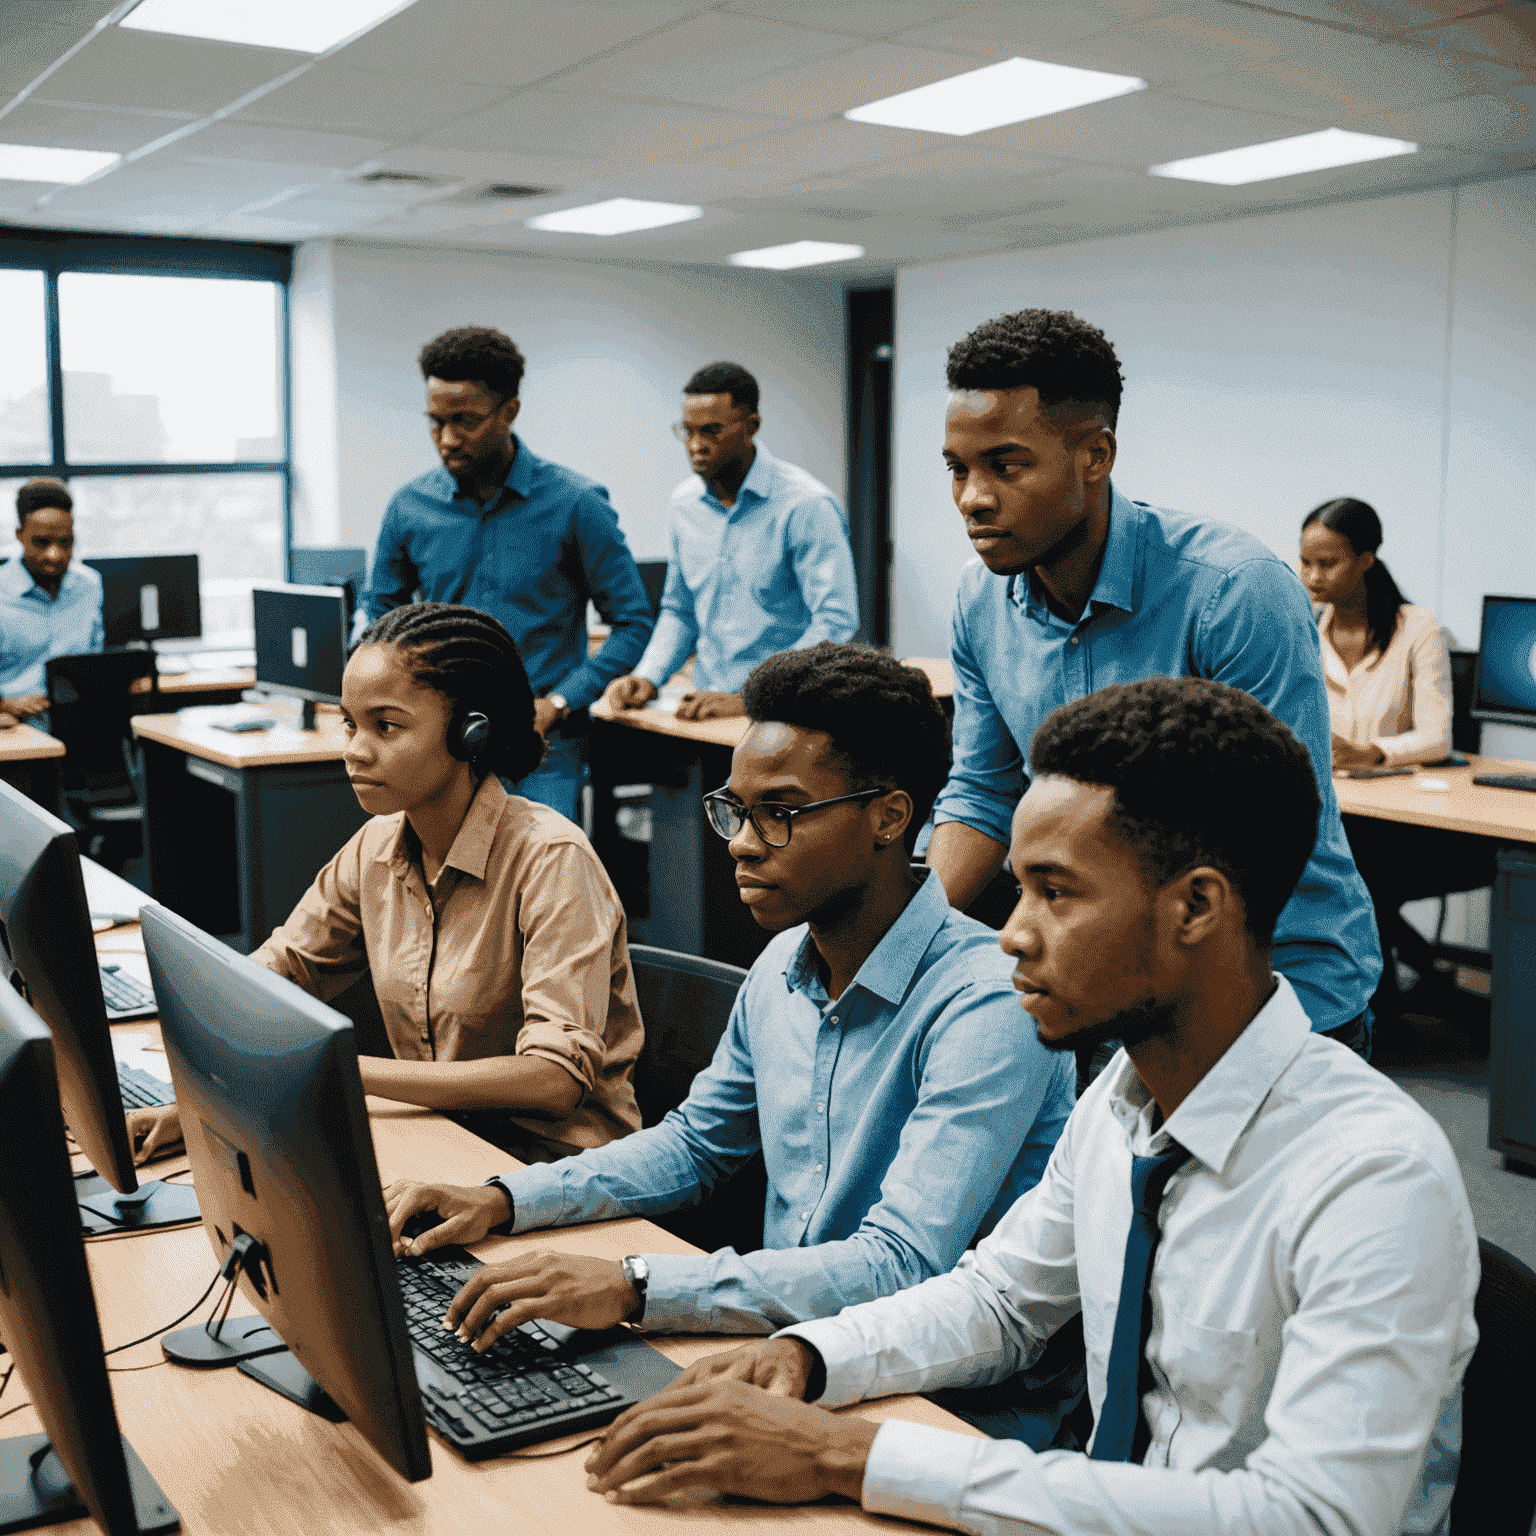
(1425, 783)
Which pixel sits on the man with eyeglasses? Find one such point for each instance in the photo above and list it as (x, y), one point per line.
(876, 1055)
(759, 559)
(523, 539)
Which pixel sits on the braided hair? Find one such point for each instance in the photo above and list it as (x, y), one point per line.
(469, 658)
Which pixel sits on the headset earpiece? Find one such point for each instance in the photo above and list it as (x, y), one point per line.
(469, 735)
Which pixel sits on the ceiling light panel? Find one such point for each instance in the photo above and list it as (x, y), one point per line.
(1011, 92)
(802, 253)
(61, 167)
(302, 26)
(618, 216)
(1284, 157)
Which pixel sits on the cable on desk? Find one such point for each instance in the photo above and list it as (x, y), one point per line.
(580, 1445)
(117, 1349)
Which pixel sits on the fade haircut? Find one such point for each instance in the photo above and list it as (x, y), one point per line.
(887, 729)
(40, 496)
(1201, 774)
(477, 354)
(1070, 363)
(725, 379)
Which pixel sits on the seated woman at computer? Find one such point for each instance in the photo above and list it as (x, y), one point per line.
(48, 606)
(495, 935)
(1388, 674)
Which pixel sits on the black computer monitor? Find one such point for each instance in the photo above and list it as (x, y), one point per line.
(1505, 690)
(301, 643)
(149, 597)
(80, 1464)
(47, 952)
(324, 565)
(277, 1132)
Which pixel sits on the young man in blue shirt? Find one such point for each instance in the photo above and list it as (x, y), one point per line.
(48, 607)
(876, 1054)
(525, 540)
(759, 559)
(1077, 587)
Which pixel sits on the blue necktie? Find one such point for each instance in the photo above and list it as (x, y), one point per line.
(1123, 1433)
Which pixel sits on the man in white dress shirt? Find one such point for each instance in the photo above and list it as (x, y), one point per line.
(1276, 1341)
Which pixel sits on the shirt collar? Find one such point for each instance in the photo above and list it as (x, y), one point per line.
(16, 579)
(1333, 663)
(889, 969)
(759, 481)
(519, 478)
(1224, 1101)
(1116, 583)
(471, 850)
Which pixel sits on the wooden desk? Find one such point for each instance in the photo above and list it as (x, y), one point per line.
(183, 690)
(237, 825)
(29, 761)
(1507, 815)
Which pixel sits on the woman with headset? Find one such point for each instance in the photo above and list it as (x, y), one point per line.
(493, 935)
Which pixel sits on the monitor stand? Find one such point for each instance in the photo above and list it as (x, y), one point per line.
(152, 1204)
(36, 1490)
(307, 716)
(283, 1374)
(223, 1340)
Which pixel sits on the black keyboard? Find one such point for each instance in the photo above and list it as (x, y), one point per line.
(141, 1090)
(122, 993)
(1507, 780)
(526, 1388)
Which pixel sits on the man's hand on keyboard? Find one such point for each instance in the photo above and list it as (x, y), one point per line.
(468, 1212)
(154, 1133)
(565, 1288)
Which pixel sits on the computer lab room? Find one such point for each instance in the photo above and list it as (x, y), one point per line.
(768, 762)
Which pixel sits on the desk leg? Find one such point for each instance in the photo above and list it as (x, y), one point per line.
(38, 779)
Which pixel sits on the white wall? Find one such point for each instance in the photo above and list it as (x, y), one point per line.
(609, 347)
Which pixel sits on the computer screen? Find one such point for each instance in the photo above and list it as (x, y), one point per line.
(1506, 662)
(330, 566)
(301, 641)
(149, 597)
(277, 1133)
(48, 1317)
(47, 953)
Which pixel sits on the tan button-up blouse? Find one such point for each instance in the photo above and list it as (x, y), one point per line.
(524, 952)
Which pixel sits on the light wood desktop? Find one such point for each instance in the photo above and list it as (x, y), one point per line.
(1478, 810)
(26, 744)
(29, 762)
(245, 749)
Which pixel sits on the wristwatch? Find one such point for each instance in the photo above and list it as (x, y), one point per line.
(558, 700)
(638, 1273)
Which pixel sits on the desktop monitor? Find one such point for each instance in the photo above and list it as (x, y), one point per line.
(1505, 690)
(149, 597)
(330, 566)
(47, 953)
(301, 643)
(277, 1132)
(80, 1465)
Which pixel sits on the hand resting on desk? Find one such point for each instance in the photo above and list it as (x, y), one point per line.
(154, 1133)
(702, 705)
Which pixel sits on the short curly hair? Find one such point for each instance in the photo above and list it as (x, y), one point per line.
(1070, 362)
(1201, 774)
(725, 379)
(475, 353)
(887, 729)
(42, 496)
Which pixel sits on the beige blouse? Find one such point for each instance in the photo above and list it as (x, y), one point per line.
(524, 952)
(1398, 699)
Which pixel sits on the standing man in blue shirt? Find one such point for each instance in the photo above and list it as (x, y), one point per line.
(759, 559)
(1078, 587)
(875, 1055)
(525, 540)
(48, 607)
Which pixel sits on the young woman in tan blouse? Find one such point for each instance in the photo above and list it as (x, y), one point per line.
(493, 935)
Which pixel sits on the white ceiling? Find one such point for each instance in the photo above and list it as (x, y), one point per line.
(736, 105)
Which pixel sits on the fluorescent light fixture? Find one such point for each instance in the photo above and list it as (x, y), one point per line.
(1011, 92)
(302, 26)
(802, 253)
(618, 216)
(35, 162)
(1284, 157)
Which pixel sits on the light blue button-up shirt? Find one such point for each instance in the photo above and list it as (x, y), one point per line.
(772, 572)
(34, 627)
(898, 1123)
(1176, 597)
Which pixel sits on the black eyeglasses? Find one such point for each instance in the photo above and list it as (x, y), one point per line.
(771, 820)
(710, 431)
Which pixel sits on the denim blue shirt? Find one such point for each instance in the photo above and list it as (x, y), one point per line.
(34, 627)
(898, 1123)
(533, 556)
(772, 572)
(1176, 597)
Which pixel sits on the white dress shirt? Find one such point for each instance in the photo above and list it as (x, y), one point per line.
(1398, 699)
(1311, 1313)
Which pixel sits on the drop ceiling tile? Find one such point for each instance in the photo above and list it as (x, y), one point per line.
(1502, 122)
(826, 147)
(231, 140)
(508, 165)
(333, 99)
(1386, 18)
(164, 181)
(710, 180)
(321, 206)
(1508, 35)
(1005, 29)
(34, 33)
(958, 179)
(44, 122)
(864, 18)
(119, 67)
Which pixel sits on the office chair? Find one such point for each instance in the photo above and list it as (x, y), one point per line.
(653, 574)
(90, 702)
(1466, 733)
(686, 1003)
(1496, 1489)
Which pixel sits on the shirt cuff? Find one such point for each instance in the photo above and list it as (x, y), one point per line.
(536, 1197)
(674, 1296)
(918, 1473)
(850, 1371)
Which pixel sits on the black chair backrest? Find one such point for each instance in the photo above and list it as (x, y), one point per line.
(1466, 733)
(89, 706)
(686, 1003)
(1495, 1489)
(653, 573)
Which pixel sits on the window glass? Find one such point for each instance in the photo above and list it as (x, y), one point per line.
(24, 432)
(170, 369)
(234, 523)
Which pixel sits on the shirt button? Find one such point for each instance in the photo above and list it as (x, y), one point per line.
(834, 1018)
(805, 1215)
(821, 1109)
(818, 1167)
(1074, 639)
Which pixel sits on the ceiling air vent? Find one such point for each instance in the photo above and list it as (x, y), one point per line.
(510, 191)
(399, 179)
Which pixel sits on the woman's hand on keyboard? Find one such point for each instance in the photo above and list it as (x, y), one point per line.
(567, 1288)
(154, 1133)
(468, 1212)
